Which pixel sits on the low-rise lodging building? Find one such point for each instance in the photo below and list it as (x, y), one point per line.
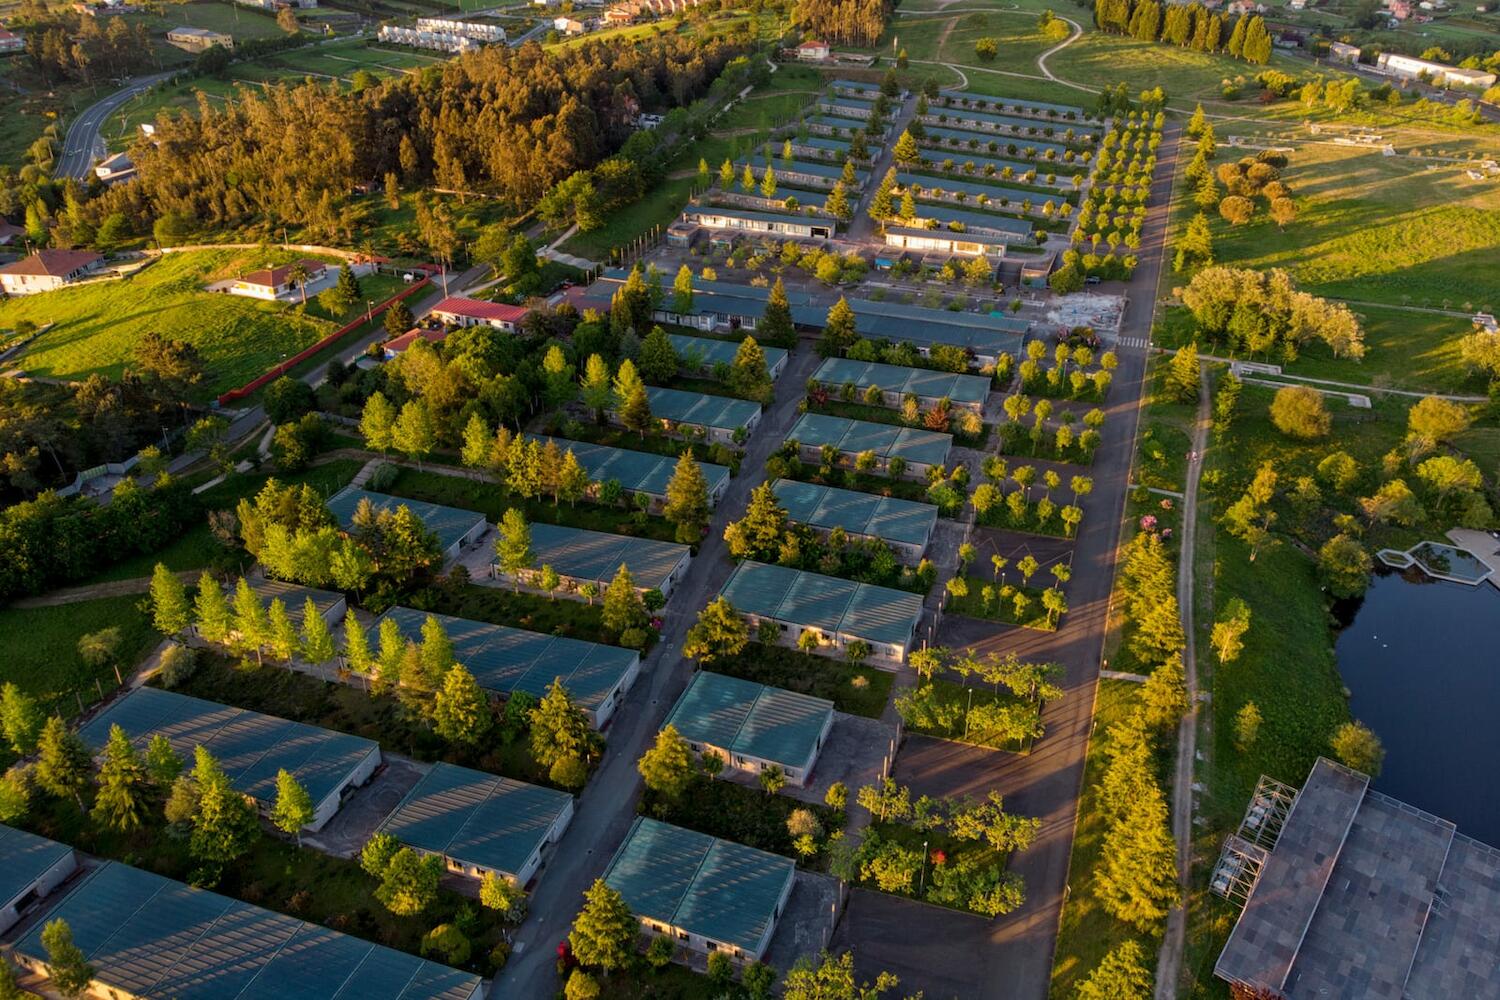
(480, 823)
(800, 226)
(198, 39)
(272, 283)
(30, 868)
(397, 346)
(905, 525)
(581, 556)
(1343, 52)
(330, 604)
(984, 336)
(455, 528)
(638, 471)
(717, 418)
(1348, 892)
(251, 747)
(896, 382)
(847, 107)
(801, 172)
(46, 270)
(812, 51)
(703, 354)
(705, 893)
(459, 311)
(149, 937)
(1412, 68)
(1014, 105)
(753, 727)
(504, 660)
(837, 612)
(919, 449)
(115, 169)
(946, 241)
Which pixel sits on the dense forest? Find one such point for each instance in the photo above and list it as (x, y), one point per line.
(64, 44)
(512, 122)
(844, 22)
(1190, 26)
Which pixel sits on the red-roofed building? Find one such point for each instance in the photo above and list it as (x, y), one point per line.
(9, 231)
(397, 346)
(275, 282)
(458, 311)
(812, 51)
(46, 270)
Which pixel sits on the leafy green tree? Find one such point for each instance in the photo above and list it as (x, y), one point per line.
(839, 330)
(409, 883)
(9, 988)
(460, 710)
(68, 970)
(1344, 566)
(1247, 722)
(634, 403)
(170, 610)
(163, 765)
(667, 768)
(581, 986)
(1182, 374)
(123, 784)
(505, 897)
(775, 325)
(623, 608)
(317, 639)
(1357, 746)
(1164, 698)
(659, 360)
(294, 807)
(20, 718)
(224, 824)
(513, 546)
(596, 390)
(830, 978)
(682, 285)
(559, 729)
(1137, 879)
(719, 632)
(63, 766)
(687, 500)
(1229, 631)
(605, 930)
(759, 534)
(905, 150)
(1121, 975)
(414, 433)
(748, 374)
(377, 422)
(1299, 412)
(281, 634)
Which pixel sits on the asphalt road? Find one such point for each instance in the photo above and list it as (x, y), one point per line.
(83, 143)
(949, 954)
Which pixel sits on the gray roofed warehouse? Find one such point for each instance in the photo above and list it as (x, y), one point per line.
(842, 610)
(30, 868)
(964, 390)
(453, 526)
(721, 413)
(636, 471)
(504, 660)
(906, 524)
(754, 724)
(915, 446)
(714, 891)
(148, 936)
(709, 352)
(595, 556)
(250, 746)
(481, 822)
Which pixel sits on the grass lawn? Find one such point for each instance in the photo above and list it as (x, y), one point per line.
(1166, 434)
(493, 501)
(347, 708)
(1383, 229)
(735, 812)
(658, 208)
(39, 648)
(98, 325)
(1088, 933)
(972, 605)
(196, 548)
(857, 690)
(528, 611)
(1099, 60)
(275, 874)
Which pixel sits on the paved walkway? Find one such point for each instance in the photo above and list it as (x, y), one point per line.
(1169, 964)
(94, 591)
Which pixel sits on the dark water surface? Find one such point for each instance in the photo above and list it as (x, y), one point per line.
(1421, 658)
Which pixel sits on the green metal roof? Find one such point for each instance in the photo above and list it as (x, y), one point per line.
(477, 818)
(250, 746)
(149, 936)
(717, 889)
(505, 659)
(449, 524)
(864, 514)
(749, 718)
(827, 603)
(721, 412)
(885, 440)
(710, 352)
(896, 378)
(636, 471)
(595, 555)
(24, 858)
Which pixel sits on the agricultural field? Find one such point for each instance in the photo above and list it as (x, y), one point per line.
(98, 325)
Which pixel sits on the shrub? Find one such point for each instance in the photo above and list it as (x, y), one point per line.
(447, 942)
(178, 664)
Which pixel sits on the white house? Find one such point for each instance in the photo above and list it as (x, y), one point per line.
(459, 311)
(273, 283)
(46, 270)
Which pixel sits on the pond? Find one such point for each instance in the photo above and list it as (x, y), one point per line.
(1421, 658)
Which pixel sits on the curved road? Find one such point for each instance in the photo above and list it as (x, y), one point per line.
(83, 143)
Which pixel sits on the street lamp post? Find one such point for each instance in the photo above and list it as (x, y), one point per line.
(922, 879)
(369, 310)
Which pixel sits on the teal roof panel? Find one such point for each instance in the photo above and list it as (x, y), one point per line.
(24, 858)
(597, 555)
(862, 514)
(636, 471)
(861, 610)
(720, 412)
(449, 524)
(710, 352)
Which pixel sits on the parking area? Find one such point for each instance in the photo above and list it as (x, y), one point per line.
(932, 949)
(807, 923)
(364, 811)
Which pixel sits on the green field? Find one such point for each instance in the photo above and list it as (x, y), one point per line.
(39, 649)
(98, 325)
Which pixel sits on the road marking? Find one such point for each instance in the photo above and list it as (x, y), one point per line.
(1141, 342)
